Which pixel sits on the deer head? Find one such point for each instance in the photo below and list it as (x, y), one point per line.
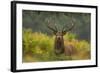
(59, 41)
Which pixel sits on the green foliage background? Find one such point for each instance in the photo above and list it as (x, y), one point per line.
(37, 21)
(38, 40)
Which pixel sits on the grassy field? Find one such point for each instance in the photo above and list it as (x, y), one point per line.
(39, 47)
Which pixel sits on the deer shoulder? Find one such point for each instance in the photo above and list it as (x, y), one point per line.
(69, 49)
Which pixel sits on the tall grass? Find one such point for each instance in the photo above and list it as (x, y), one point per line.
(39, 47)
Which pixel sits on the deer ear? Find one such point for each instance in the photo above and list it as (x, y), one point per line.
(54, 32)
(63, 32)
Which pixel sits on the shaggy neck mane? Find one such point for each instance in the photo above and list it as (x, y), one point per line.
(59, 46)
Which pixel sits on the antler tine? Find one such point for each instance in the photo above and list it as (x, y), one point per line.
(54, 30)
(72, 25)
(55, 26)
(64, 27)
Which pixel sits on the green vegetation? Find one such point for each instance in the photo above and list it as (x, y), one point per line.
(39, 47)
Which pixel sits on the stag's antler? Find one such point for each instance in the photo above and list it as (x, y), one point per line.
(66, 30)
(53, 29)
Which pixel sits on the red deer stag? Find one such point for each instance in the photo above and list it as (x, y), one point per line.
(59, 40)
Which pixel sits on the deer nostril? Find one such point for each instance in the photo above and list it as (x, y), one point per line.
(58, 37)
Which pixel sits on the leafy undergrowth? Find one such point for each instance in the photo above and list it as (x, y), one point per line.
(39, 47)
